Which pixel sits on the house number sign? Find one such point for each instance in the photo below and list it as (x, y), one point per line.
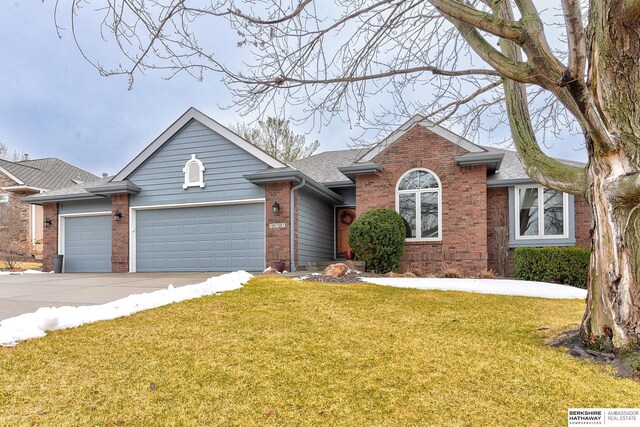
(277, 225)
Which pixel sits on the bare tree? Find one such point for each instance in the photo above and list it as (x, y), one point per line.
(276, 138)
(500, 242)
(466, 59)
(8, 153)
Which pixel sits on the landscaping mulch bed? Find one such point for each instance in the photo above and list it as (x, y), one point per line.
(627, 365)
(350, 277)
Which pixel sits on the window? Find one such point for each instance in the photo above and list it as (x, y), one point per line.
(418, 200)
(4, 210)
(193, 173)
(541, 213)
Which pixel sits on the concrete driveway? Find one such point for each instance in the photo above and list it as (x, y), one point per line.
(26, 293)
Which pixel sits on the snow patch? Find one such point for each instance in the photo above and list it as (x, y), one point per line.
(37, 324)
(6, 273)
(485, 286)
(307, 276)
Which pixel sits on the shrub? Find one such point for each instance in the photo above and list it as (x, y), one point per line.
(486, 274)
(377, 238)
(451, 273)
(566, 265)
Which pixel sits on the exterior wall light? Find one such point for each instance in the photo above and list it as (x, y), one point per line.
(117, 216)
(276, 207)
(47, 222)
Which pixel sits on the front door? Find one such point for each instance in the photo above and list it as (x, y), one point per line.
(344, 218)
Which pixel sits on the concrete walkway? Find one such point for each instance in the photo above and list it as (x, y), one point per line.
(26, 293)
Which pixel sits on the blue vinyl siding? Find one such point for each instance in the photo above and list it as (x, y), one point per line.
(161, 177)
(86, 206)
(315, 229)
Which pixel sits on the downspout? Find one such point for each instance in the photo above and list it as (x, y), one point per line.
(292, 220)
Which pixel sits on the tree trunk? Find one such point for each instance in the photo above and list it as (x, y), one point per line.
(612, 317)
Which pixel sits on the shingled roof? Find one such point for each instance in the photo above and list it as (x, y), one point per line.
(512, 170)
(45, 174)
(323, 167)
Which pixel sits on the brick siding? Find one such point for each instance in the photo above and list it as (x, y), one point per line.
(277, 239)
(464, 201)
(120, 234)
(583, 222)
(18, 211)
(50, 235)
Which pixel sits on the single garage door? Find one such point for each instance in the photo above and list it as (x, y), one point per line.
(87, 244)
(207, 238)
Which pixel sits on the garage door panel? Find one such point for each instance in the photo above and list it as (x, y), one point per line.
(205, 238)
(87, 244)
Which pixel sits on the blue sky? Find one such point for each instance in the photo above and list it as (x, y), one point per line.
(55, 104)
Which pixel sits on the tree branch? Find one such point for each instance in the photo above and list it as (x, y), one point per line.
(283, 80)
(512, 69)
(576, 40)
(540, 167)
(485, 21)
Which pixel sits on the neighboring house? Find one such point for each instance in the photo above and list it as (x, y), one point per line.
(199, 197)
(26, 177)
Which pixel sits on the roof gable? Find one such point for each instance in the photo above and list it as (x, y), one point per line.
(9, 174)
(419, 120)
(189, 115)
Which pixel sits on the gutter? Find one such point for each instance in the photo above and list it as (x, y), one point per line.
(39, 199)
(293, 176)
(509, 182)
(292, 222)
(359, 168)
(492, 160)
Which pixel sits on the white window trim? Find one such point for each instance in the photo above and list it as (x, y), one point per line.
(541, 235)
(418, 211)
(185, 170)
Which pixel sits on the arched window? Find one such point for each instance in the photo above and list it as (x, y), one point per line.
(418, 201)
(193, 173)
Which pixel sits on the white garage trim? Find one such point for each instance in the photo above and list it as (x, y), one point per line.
(61, 230)
(134, 209)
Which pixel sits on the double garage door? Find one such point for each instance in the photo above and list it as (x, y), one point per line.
(205, 238)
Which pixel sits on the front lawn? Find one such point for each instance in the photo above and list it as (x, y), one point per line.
(281, 352)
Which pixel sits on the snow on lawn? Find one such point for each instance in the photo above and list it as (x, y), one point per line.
(485, 286)
(34, 325)
(24, 272)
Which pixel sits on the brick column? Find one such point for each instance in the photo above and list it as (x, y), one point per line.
(277, 239)
(120, 234)
(49, 235)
